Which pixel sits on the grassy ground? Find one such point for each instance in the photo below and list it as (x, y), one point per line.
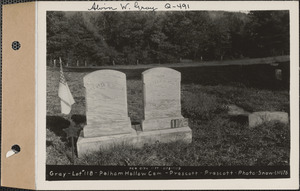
(218, 139)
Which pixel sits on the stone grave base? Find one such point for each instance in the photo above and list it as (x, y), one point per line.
(96, 144)
(258, 118)
(109, 128)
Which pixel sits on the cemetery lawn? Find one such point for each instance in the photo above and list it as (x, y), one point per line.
(218, 139)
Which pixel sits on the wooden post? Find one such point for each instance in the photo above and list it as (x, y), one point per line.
(60, 61)
(72, 140)
(73, 157)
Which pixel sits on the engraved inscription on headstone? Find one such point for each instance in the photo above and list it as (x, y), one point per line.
(106, 104)
(176, 123)
(161, 98)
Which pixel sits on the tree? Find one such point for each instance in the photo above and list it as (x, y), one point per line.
(268, 33)
(104, 38)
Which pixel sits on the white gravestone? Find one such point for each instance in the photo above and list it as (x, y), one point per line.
(162, 103)
(106, 104)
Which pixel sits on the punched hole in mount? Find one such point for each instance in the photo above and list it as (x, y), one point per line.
(16, 45)
(14, 150)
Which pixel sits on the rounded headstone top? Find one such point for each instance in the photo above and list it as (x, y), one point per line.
(161, 72)
(105, 75)
(160, 69)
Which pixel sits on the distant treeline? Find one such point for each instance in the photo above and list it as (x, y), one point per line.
(107, 38)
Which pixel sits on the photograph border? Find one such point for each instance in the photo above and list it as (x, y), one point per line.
(43, 7)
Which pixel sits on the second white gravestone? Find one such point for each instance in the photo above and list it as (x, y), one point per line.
(162, 99)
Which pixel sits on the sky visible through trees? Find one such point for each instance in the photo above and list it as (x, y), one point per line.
(127, 38)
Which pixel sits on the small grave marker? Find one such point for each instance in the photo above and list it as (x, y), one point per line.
(278, 74)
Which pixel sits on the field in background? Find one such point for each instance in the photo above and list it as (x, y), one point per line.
(218, 139)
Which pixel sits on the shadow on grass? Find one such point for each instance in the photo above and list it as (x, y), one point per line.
(240, 119)
(79, 119)
(58, 137)
(57, 124)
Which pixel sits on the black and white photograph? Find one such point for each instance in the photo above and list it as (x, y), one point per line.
(188, 94)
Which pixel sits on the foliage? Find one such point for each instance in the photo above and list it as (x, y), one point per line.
(268, 33)
(131, 38)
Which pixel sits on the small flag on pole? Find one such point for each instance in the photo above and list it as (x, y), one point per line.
(66, 98)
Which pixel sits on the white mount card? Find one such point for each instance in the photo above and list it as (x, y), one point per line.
(150, 95)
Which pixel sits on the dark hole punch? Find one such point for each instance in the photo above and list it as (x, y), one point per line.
(16, 45)
(14, 150)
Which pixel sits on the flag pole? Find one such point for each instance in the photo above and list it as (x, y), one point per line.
(73, 154)
(72, 138)
(69, 118)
